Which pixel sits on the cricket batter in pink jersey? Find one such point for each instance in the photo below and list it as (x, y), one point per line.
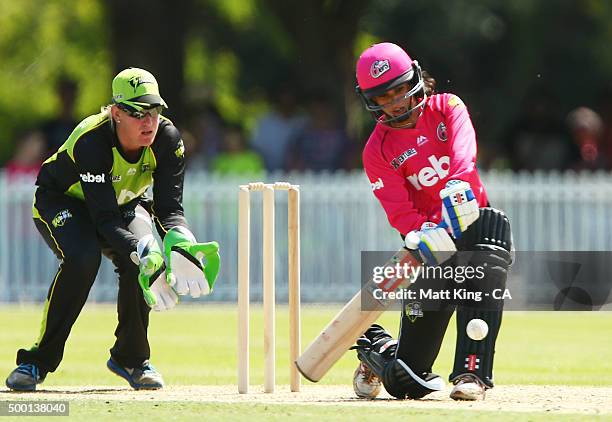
(421, 162)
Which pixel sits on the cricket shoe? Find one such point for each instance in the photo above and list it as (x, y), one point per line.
(143, 378)
(365, 383)
(25, 377)
(468, 387)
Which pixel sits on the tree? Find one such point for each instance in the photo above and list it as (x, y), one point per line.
(323, 33)
(151, 35)
(39, 43)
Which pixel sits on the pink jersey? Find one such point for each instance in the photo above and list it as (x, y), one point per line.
(408, 167)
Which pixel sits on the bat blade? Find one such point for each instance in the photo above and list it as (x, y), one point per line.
(351, 322)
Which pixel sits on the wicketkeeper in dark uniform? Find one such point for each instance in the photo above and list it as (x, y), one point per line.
(421, 162)
(91, 200)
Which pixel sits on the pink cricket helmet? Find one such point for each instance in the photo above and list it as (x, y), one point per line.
(382, 67)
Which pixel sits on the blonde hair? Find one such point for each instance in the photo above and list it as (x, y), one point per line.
(106, 109)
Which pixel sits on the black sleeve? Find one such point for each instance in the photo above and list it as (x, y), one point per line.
(168, 178)
(94, 159)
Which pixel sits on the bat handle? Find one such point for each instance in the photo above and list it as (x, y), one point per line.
(414, 251)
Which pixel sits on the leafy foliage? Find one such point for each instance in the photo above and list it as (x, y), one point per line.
(39, 43)
(235, 54)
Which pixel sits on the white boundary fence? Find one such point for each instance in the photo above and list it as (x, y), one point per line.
(339, 218)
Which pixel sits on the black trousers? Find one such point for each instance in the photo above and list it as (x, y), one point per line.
(422, 330)
(67, 228)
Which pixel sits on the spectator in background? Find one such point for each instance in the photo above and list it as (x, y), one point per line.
(193, 159)
(206, 127)
(57, 130)
(323, 144)
(538, 139)
(277, 131)
(236, 158)
(604, 109)
(586, 128)
(28, 157)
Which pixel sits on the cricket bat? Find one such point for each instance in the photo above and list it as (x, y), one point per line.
(352, 321)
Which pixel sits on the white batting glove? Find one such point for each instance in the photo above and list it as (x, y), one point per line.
(433, 243)
(459, 206)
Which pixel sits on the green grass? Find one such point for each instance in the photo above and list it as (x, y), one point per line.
(197, 345)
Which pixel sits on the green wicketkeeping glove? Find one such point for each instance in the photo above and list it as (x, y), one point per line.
(186, 270)
(156, 291)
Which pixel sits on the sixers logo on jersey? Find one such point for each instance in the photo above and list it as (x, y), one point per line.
(379, 67)
(441, 132)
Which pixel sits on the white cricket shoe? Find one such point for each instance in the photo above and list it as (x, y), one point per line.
(365, 383)
(468, 387)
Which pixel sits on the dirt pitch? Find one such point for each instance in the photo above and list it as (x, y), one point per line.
(527, 398)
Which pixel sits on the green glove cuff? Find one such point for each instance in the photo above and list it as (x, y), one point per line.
(150, 264)
(209, 251)
(148, 295)
(177, 235)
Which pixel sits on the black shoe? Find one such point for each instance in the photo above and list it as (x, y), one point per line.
(25, 377)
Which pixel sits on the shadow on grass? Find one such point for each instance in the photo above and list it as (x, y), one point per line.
(71, 392)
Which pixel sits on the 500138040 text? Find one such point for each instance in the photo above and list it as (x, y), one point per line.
(34, 408)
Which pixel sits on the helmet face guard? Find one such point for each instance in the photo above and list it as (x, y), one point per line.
(414, 77)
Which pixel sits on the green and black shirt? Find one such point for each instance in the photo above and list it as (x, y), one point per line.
(91, 166)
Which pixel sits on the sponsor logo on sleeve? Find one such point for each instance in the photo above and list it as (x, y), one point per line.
(429, 176)
(454, 101)
(398, 161)
(379, 68)
(377, 185)
(92, 178)
(60, 218)
(180, 150)
(441, 132)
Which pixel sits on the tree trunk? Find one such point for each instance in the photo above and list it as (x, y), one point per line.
(151, 35)
(324, 33)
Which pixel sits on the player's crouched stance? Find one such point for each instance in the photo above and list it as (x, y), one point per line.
(420, 159)
(404, 366)
(91, 200)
